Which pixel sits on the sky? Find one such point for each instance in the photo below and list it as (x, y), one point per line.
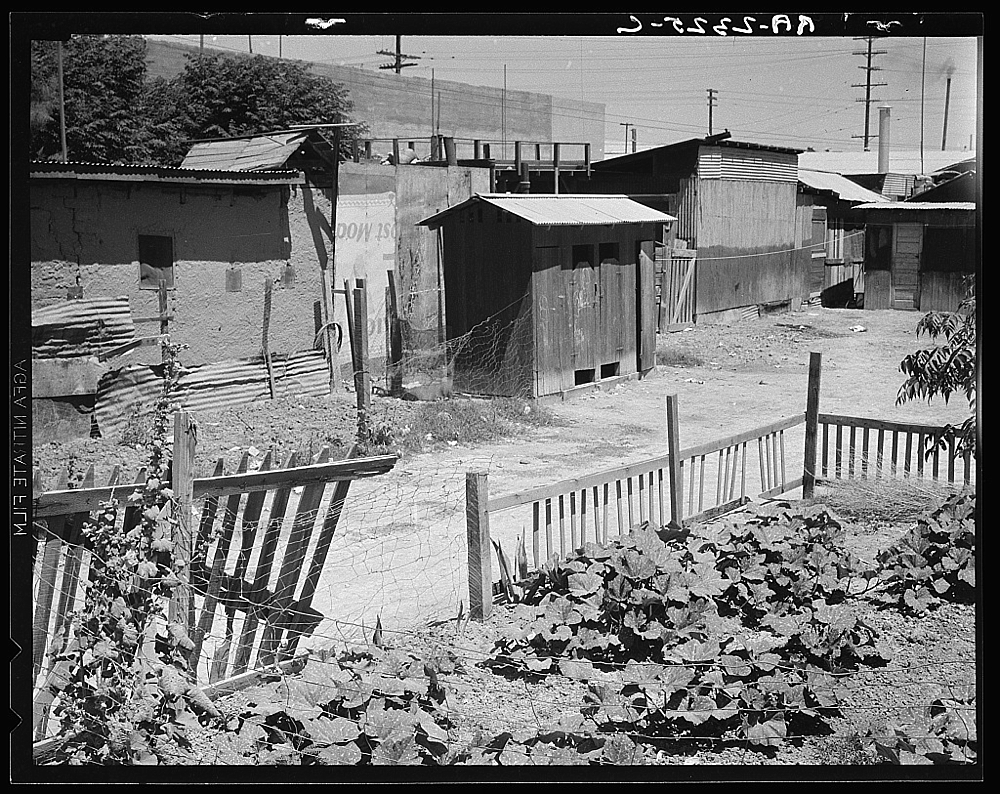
(785, 91)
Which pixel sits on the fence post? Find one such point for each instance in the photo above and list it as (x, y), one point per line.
(675, 479)
(362, 373)
(477, 522)
(182, 482)
(812, 425)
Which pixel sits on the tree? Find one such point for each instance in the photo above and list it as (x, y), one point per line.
(104, 90)
(221, 96)
(948, 367)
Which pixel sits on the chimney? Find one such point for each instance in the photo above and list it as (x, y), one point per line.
(947, 98)
(883, 139)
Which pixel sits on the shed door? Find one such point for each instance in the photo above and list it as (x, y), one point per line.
(645, 306)
(585, 308)
(549, 296)
(907, 243)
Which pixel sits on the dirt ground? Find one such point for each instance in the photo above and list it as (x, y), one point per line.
(400, 553)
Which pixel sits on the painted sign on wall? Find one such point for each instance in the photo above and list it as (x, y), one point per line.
(366, 248)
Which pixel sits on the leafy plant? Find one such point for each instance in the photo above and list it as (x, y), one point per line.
(124, 691)
(943, 733)
(949, 367)
(936, 560)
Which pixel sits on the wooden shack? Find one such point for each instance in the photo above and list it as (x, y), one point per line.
(545, 293)
(919, 254)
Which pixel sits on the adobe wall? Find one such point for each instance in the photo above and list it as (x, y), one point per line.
(86, 233)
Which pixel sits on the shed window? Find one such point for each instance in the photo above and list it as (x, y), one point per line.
(948, 250)
(878, 244)
(156, 261)
(608, 252)
(583, 255)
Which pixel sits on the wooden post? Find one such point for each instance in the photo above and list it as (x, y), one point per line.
(265, 351)
(477, 523)
(476, 150)
(586, 157)
(161, 294)
(182, 482)
(351, 335)
(394, 338)
(362, 373)
(395, 151)
(517, 157)
(555, 168)
(812, 425)
(675, 480)
(328, 298)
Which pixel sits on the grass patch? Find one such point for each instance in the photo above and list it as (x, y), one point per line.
(465, 421)
(678, 357)
(885, 499)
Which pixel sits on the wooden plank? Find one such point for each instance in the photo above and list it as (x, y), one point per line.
(618, 499)
(265, 562)
(572, 520)
(895, 452)
(63, 502)
(181, 607)
(478, 536)
(719, 510)
(265, 349)
(921, 440)
(548, 529)
(782, 488)
(951, 459)
(850, 457)
(908, 454)
(864, 453)
(562, 527)
(880, 454)
(606, 502)
(535, 532)
(876, 424)
(839, 470)
(826, 449)
(743, 472)
(739, 438)
(211, 600)
(293, 559)
(760, 458)
(199, 561)
(701, 485)
(52, 550)
(629, 500)
(675, 480)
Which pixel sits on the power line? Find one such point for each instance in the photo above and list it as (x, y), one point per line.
(398, 64)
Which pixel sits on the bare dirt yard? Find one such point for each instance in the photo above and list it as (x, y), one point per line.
(400, 554)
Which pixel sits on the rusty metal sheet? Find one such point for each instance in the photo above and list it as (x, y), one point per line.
(76, 328)
(244, 154)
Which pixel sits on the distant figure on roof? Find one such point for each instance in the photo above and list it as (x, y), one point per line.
(406, 156)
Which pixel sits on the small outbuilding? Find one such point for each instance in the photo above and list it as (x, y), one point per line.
(919, 254)
(544, 293)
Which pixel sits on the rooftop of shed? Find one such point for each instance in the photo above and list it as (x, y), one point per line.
(636, 158)
(258, 152)
(562, 210)
(111, 172)
(917, 206)
(839, 185)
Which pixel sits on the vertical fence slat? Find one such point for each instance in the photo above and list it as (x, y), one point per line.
(265, 563)
(864, 453)
(675, 474)
(572, 520)
(781, 448)
(907, 460)
(920, 455)
(839, 453)
(826, 449)
(719, 477)
(743, 471)
(604, 514)
(967, 468)
(880, 454)
(774, 458)
(477, 519)
(951, 459)
(760, 460)
(52, 549)
(937, 450)
(894, 468)
(583, 516)
(850, 456)
(659, 490)
(535, 531)
(548, 529)
(618, 495)
(562, 527)
(631, 499)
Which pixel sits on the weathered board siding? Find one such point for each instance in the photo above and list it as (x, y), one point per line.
(878, 288)
(487, 276)
(746, 237)
(907, 243)
(942, 292)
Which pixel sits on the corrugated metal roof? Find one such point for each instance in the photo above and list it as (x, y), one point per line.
(842, 186)
(564, 210)
(80, 327)
(255, 153)
(154, 173)
(628, 159)
(900, 162)
(919, 205)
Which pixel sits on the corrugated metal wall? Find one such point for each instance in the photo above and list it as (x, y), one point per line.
(716, 162)
(80, 327)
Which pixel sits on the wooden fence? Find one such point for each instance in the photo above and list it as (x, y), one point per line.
(696, 483)
(252, 615)
(675, 288)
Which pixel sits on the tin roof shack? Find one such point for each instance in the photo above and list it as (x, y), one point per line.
(369, 229)
(102, 238)
(547, 293)
(918, 255)
(735, 203)
(836, 271)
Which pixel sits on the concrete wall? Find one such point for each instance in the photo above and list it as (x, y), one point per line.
(399, 106)
(86, 232)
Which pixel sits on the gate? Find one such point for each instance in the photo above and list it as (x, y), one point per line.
(676, 288)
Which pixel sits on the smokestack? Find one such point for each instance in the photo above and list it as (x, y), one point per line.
(883, 139)
(947, 98)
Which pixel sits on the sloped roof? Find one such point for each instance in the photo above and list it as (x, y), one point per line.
(713, 140)
(112, 172)
(251, 153)
(900, 162)
(563, 210)
(919, 205)
(841, 185)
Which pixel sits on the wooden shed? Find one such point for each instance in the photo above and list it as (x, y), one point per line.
(545, 293)
(919, 254)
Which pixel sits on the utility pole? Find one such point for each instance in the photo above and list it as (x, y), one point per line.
(397, 65)
(868, 85)
(62, 105)
(712, 99)
(626, 125)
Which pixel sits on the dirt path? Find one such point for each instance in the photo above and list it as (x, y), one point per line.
(402, 554)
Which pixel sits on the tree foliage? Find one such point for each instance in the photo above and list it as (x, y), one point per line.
(948, 367)
(116, 113)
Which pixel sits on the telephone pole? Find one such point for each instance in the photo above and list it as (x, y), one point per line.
(712, 99)
(397, 65)
(868, 85)
(626, 125)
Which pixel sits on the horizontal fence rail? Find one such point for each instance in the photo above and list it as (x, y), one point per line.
(858, 447)
(714, 476)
